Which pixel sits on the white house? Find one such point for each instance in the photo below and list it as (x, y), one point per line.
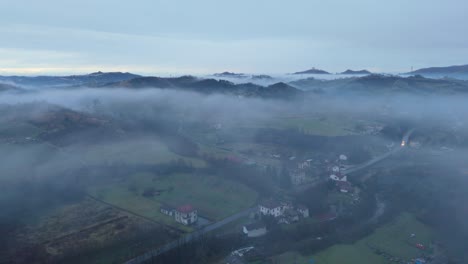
(304, 211)
(338, 177)
(343, 157)
(186, 215)
(304, 164)
(272, 208)
(336, 169)
(254, 230)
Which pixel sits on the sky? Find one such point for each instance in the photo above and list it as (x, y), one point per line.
(165, 37)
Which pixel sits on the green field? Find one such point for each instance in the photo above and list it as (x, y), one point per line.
(314, 126)
(140, 151)
(393, 239)
(214, 198)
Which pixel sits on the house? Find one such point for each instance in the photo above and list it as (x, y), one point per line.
(271, 207)
(304, 164)
(186, 215)
(336, 169)
(289, 216)
(344, 186)
(339, 177)
(343, 157)
(167, 210)
(255, 229)
(304, 211)
(297, 177)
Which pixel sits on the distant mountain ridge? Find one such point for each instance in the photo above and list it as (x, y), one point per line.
(449, 71)
(356, 72)
(230, 74)
(210, 86)
(377, 83)
(312, 71)
(90, 79)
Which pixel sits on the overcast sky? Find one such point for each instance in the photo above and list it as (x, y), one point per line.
(206, 36)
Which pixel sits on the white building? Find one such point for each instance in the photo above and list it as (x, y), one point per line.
(338, 177)
(304, 211)
(343, 157)
(254, 230)
(272, 208)
(336, 169)
(304, 164)
(186, 215)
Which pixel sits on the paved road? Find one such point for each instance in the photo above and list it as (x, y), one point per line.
(190, 237)
(371, 162)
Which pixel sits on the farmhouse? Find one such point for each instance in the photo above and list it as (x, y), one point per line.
(304, 211)
(272, 208)
(304, 164)
(339, 177)
(255, 230)
(335, 169)
(343, 157)
(186, 215)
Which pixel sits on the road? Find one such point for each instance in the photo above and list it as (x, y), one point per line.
(190, 237)
(371, 162)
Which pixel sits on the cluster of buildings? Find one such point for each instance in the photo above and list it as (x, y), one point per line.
(282, 212)
(185, 214)
(337, 175)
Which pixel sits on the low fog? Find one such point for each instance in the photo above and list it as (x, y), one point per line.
(41, 172)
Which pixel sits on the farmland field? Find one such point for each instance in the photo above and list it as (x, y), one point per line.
(393, 239)
(214, 198)
(139, 151)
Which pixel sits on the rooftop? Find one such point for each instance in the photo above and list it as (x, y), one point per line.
(185, 208)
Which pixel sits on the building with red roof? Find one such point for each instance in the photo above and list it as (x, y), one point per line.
(186, 214)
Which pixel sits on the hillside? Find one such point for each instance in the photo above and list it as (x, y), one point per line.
(384, 84)
(458, 71)
(7, 87)
(210, 86)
